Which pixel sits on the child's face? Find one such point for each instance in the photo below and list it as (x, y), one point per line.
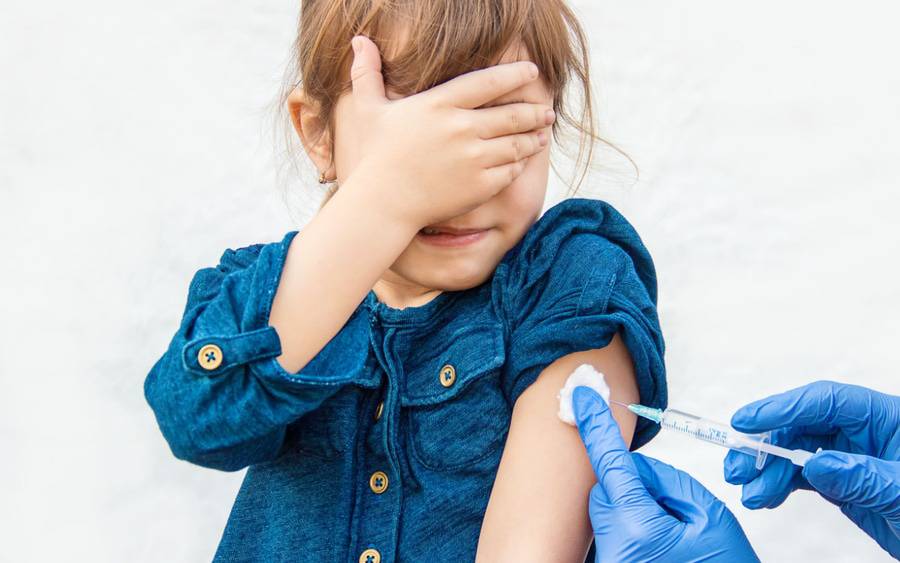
(423, 267)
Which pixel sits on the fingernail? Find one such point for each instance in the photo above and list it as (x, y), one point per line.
(355, 44)
(550, 116)
(582, 399)
(743, 415)
(830, 459)
(542, 137)
(581, 396)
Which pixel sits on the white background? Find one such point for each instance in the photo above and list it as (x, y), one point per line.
(134, 149)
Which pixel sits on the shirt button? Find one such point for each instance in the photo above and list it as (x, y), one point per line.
(370, 556)
(378, 410)
(378, 482)
(448, 375)
(210, 357)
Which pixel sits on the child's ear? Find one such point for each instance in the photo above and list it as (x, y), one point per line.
(312, 130)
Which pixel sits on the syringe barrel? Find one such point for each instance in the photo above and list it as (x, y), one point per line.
(715, 433)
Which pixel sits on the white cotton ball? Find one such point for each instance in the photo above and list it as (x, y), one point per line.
(586, 375)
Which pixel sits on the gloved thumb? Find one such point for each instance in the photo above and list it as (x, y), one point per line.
(365, 72)
(703, 517)
(609, 455)
(861, 480)
(678, 492)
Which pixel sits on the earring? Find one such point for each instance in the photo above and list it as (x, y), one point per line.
(322, 179)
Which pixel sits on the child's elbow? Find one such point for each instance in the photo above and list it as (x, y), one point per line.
(223, 461)
(215, 454)
(182, 430)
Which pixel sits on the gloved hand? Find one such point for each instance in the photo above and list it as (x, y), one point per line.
(642, 509)
(859, 471)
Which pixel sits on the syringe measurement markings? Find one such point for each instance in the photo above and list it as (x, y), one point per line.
(710, 434)
(718, 433)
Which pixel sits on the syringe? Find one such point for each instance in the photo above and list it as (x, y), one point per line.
(757, 445)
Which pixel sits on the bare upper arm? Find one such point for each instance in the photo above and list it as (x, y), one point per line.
(538, 506)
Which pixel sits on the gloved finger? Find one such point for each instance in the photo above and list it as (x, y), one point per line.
(861, 480)
(772, 486)
(876, 526)
(607, 451)
(739, 468)
(676, 491)
(599, 497)
(605, 516)
(822, 403)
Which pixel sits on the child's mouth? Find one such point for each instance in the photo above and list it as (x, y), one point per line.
(461, 237)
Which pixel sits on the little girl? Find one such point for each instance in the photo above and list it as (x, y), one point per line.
(388, 376)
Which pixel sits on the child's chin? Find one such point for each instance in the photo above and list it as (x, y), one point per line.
(459, 274)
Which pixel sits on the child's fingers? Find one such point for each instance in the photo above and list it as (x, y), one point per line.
(496, 178)
(508, 119)
(368, 83)
(511, 148)
(478, 87)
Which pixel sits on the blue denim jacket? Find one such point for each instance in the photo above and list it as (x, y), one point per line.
(384, 447)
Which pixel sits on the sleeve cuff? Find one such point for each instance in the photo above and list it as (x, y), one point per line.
(344, 359)
(214, 355)
(251, 342)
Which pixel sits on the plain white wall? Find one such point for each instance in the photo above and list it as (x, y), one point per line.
(133, 151)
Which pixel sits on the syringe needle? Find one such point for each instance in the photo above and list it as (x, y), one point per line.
(618, 403)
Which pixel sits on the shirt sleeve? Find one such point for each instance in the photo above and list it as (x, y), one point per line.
(219, 395)
(580, 275)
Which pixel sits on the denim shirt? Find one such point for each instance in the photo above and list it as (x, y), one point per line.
(384, 447)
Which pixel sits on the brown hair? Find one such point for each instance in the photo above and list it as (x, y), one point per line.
(443, 39)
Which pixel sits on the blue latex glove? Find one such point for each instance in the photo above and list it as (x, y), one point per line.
(644, 510)
(859, 471)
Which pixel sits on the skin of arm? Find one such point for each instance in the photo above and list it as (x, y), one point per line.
(538, 509)
(331, 265)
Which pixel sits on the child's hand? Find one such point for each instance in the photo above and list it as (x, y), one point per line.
(436, 156)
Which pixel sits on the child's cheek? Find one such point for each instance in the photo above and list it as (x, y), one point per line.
(521, 202)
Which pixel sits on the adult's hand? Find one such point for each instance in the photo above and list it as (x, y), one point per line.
(642, 509)
(859, 469)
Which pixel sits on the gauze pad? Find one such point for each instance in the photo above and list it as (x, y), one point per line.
(586, 375)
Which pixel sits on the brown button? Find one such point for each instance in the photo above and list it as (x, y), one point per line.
(448, 375)
(370, 556)
(210, 356)
(378, 410)
(378, 482)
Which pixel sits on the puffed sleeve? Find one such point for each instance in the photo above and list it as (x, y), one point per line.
(580, 275)
(219, 395)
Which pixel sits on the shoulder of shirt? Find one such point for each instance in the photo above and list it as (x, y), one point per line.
(569, 230)
(577, 240)
(245, 256)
